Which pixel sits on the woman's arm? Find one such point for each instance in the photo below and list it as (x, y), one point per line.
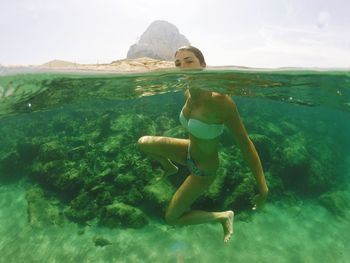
(234, 124)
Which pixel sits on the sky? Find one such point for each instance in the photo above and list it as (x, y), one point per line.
(253, 33)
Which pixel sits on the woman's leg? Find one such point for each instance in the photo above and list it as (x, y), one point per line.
(178, 210)
(165, 150)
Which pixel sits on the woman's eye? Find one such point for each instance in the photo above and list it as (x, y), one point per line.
(177, 64)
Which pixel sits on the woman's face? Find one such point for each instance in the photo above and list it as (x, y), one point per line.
(186, 59)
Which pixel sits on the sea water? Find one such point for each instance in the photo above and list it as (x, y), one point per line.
(65, 138)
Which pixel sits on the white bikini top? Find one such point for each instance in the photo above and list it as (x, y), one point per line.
(201, 129)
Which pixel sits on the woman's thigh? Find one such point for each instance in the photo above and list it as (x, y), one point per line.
(172, 148)
(192, 188)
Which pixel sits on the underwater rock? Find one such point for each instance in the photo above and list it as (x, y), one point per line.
(122, 215)
(271, 130)
(42, 210)
(104, 198)
(337, 202)
(264, 147)
(133, 126)
(176, 132)
(104, 126)
(307, 166)
(77, 153)
(27, 151)
(237, 183)
(101, 195)
(158, 194)
(43, 171)
(132, 197)
(10, 167)
(124, 180)
(294, 153)
(217, 188)
(327, 171)
(319, 178)
(70, 182)
(293, 162)
(165, 123)
(59, 176)
(240, 197)
(82, 208)
(244, 216)
(288, 128)
(52, 151)
(106, 176)
(275, 184)
(113, 144)
(100, 241)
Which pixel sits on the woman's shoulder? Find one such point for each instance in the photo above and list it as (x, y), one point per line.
(223, 99)
(218, 95)
(223, 105)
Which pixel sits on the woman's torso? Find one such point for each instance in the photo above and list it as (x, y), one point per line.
(204, 151)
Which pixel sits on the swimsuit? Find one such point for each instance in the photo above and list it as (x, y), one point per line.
(200, 130)
(192, 166)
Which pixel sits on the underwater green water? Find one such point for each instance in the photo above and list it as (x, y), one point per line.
(69, 161)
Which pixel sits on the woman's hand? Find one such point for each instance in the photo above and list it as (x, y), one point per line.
(260, 199)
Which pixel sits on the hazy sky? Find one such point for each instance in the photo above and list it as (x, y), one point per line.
(260, 33)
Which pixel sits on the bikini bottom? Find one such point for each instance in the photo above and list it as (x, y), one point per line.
(192, 166)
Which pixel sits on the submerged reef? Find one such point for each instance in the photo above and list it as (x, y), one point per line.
(337, 202)
(84, 164)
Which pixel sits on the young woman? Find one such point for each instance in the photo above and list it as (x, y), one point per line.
(204, 115)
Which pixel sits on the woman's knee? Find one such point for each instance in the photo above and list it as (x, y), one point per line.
(143, 142)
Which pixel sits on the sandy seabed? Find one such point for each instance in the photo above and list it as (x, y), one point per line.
(279, 233)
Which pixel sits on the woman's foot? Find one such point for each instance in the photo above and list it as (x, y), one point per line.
(227, 225)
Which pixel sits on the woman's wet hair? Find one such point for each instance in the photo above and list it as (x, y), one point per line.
(195, 51)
